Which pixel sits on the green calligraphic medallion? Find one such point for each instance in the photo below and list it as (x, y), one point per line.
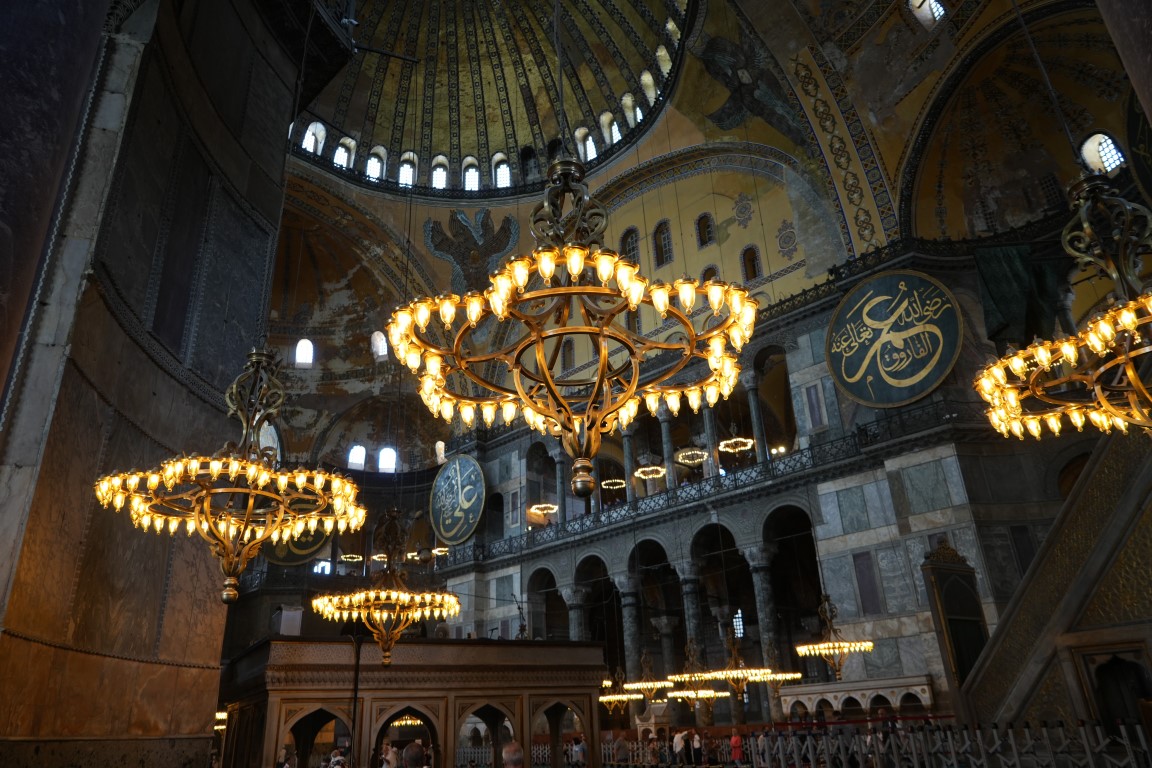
(457, 500)
(894, 338)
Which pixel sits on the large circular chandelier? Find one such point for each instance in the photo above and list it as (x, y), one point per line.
(572, 293)
(388, 607)
(1095, 375)
(239, 497)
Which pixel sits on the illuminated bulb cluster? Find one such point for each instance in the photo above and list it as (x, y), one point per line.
(1074, 377)
(198, 493)
(612, 484)
(736, 444)
(696, 694)
(572, 265)
(408, 721)
(652, 472)
(385, 604)
(835, 647)
(691, 457)
(543, 509)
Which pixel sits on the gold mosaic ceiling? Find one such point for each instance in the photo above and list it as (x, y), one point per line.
(485, 79)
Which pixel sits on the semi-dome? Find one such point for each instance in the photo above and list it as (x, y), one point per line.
(470, 102)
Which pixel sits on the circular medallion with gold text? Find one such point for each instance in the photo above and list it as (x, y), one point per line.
(457, 500)
(893, 338)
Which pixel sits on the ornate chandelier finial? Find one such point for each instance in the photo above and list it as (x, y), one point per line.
(239, 497)
(503, 350)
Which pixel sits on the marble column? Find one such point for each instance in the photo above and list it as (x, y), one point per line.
(712, 463)
(629, 463)
(760, 564)
(629, 587)
(750, 378)
(690, 588)
(575, 597)
(666, 627)
(665, 417)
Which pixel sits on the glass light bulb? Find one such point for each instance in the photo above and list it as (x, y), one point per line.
(652, 401)
(546, 263)
(574, 255)
(748, 314)
(736, 296)
(498, 303)
(422, 313)
(635, 294)
(447, 408)
(521, 270)
(473, 307)
(488, 413)
(502, 283)
(660, 293)
(433, 364)
(736, 336)
(447, 307)
(468, 414)
(508, 411)
(715, 289)
(412, 358)
(693, 395)
(403, 319)
(625, 271)
(673, 401)
(686, 293)
(605, 262)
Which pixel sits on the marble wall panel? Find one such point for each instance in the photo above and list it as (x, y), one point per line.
(926, 487)
(884, 661)
(895, 580)
(840, 583)
(230, 311)
(802, 357)
(916, 546)
(853, 510)
(49, 562)
(134, 221)
(878, 499)
(965, 542)
(119, 596)
(912, 659)
(830, 511)
(193, 621)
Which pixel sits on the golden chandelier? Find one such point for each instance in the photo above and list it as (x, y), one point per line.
(572, 293)
(1095, 375)
(388, 607)
(239, 497)
(833, 648)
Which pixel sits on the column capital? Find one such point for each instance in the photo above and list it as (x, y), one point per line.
(687, 570)
(574, 596)
(749, 377)
(761, 556)
(663, 414)
(627, 583)
(665, 625)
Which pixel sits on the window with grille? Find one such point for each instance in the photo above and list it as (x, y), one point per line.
(662, 244)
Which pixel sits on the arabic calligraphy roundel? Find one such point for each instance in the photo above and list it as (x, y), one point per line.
(894, 338)
(457, 499)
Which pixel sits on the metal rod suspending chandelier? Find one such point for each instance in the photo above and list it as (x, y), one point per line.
(389, 606)
(239, 497)
(1096, 375)
(500, 351)
(833, 648)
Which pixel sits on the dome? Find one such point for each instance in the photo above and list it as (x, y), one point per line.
(470, 101)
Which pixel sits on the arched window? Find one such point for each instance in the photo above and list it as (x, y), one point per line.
(356, 457)
(610, 128)
(589, 148)
(663, 60)
(927, 12)
(377, 162)
(709, 273)
(314, 138)
(1101, 154)
(440, 172)
(705, 230)
(648, 83)
(628, 105)
(471, 177)
(585, 145)
(345, 153)
(673, 32)
(303, 354)
(406, 176)
(662, 244)
(379, 346)
(630, 244)
(750, 259)
(501, 171)
(386, 462)
(529, 164)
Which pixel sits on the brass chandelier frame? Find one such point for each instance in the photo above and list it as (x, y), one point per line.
(570, 288)
(239, 497)
(833, 648)
(1095, 375)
